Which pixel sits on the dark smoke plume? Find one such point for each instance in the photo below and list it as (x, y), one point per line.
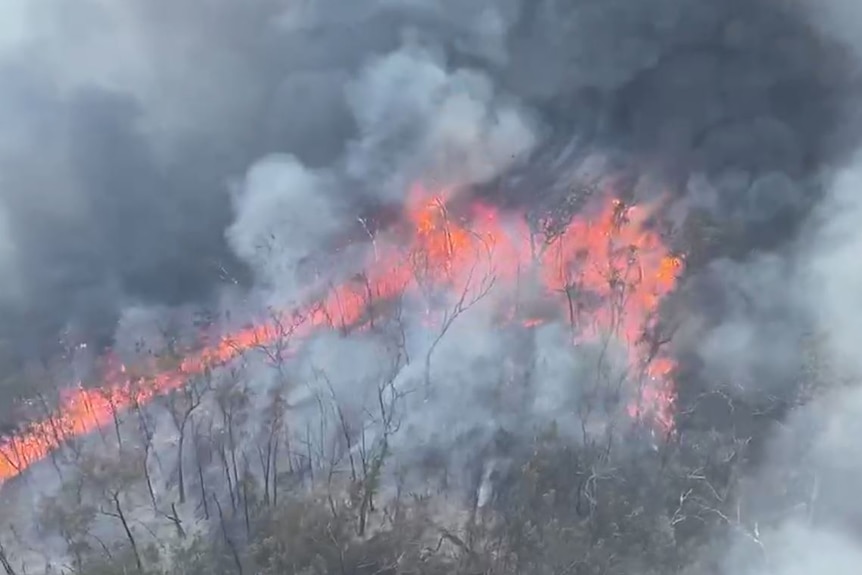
(123, 125)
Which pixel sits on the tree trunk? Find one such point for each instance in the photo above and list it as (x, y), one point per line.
(203, 488)
(128, 531)
(227, 538)
(4, 560)
(181, 477)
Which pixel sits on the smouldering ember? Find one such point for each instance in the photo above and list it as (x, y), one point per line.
(610, 254)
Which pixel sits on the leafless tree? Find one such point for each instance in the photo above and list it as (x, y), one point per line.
(140, 387)
(114, 480)
(232, 399)
(203, 445)
(4, 560)
(273, 427)
(181, 405)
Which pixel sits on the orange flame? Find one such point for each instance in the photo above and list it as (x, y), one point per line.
(611, 255)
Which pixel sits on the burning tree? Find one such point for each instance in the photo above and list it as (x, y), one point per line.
(602, 275)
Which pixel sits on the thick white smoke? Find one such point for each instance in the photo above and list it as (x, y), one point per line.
(419, 121)
(284, 213)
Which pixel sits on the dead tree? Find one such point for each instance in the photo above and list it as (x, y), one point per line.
(181, 404)
(111, 476)
(227, 538)
(136, 391)
(203, 455)
(232, 399)
(4, 560)
(372, 458)
(268, 452)
(477, 284)
(119, 514)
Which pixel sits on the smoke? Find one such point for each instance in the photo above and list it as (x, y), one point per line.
(416, 121)
(814, 455)
(125, 124)
(283, 214)
(831, 280)
(420, 122)
(836, 18)
(10, 289)
(793, 330)
(156, 154)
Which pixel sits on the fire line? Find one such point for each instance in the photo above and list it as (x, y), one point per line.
(611, 254)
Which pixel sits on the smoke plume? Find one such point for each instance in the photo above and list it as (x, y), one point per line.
(159, 157)
(124, 125)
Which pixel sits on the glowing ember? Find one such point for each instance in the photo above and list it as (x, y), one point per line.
(611, 256)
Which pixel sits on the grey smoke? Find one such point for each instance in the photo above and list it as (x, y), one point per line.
(125, 124)
(283, 213)
(420, 122)
(150, 147)
(800, 506)
(813, 457)
(486, 381)
(794, 327)
(748, 325)
(832, 280)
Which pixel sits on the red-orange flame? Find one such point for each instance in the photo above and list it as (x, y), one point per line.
(611, 255)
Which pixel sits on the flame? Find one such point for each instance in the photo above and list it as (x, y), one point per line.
(611, 255)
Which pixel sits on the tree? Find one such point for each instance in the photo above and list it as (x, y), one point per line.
(232, 398)
(181, 405)
(72, 516)
(111, 478)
